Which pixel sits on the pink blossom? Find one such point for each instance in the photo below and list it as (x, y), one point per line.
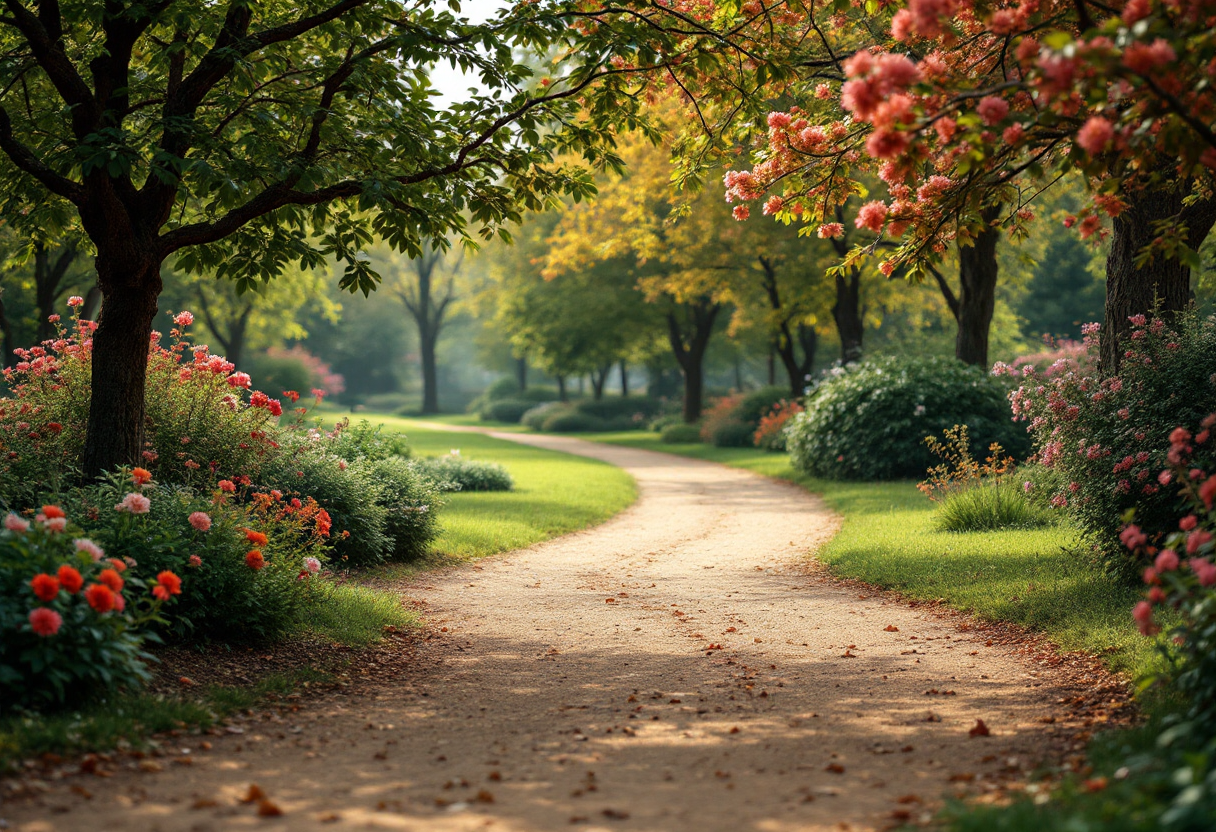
(823, 91)
(1095, 135)
(779, 121)
(183, 318)
(75, 301)
(1143, 614)
(134, 503)
(195, 561)
(227, 485)
(741, 212)
(90, 548)
(45, 622)
(1204, 571)
(200, 520)
(1132, 537)
(1167, 561)
(773, 204)
(1196, 540)
(55, 524)
(992, 109)
(1134, 11)
(871, 216)
(312, 565)
(831, 231)
(239, 380)
(1146, 57)
(16, 524)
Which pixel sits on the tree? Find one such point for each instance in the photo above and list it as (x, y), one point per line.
(426, 286)
(239, 137)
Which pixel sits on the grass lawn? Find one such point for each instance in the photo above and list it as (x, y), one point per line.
(1034, 578)
(554, 492)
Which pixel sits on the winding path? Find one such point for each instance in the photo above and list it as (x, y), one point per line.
(677, 668)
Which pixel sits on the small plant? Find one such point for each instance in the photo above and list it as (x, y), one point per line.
(453, 472)
(680, 433)
(72, 621)
(959, 471)
(573, 422)
(536, 416)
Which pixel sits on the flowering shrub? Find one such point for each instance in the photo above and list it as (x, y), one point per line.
(296, 368)
(1104, 439)
(770, 433)
(453, 472)
(72, 621)
(721, 426)
(869, 420)
(202, 417)
(1059, 357)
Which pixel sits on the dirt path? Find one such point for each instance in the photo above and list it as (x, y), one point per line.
(676, 668)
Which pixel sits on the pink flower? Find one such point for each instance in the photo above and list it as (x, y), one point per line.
(741, 212)
(16, 524)
(1143, 613)
(239, 380)
(45, 622)
(55, 524)
(75, 300)
(992, 109)
(227, 485)
(1095, 135)
(779, 121)
(1167, 561)
(831, 231)
(134, 503)
(871, 216)
(1189, 522)
(200, 520)
(1204, 571)
(183, 318)
(1196, 539)
(90, 548)
(1146, 57)
(1207, 491)
(1132, 537)
(312, 565)
(195, 561)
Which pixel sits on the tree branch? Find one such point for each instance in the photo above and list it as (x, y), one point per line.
(25, 159)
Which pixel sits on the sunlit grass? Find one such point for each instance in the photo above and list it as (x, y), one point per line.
(355, 615)
(1039, 578)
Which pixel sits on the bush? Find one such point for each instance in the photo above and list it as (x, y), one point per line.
(536, 416)
(506, 410)
(720, 412)
(757, 404)
(363, 441)
(730, 434)
(1105, 438)
(624, 410)
(869, 420)
(503, 388)
(571, 421)
(680, 433)
(987, 507)
(770, 433)
(71, 624)
(455, 473)
(410, 500)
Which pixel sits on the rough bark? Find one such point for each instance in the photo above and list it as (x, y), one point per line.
(430, 373)
(92, 303)
(848, 313)
(975, 302)
(784, 343)
(689, 341)
(1162, 283)
(428, 311)
(115, 433)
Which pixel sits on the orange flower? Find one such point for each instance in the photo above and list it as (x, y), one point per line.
(100, 597)
(45, 587)
(111, 579)
(256, 538)
(141, 476)
(160, 593)
(170, 582)
(70, 579)
(51, 512)
(254, 559)
(117, 564)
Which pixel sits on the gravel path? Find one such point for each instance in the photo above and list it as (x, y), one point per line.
(677, 668)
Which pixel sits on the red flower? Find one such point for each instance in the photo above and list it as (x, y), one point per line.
(100, 597)
(112, 579)
(227, 485)
(254, 560)
(160, 593)
(141, 476)
(70, 579)
(1207, 491)
(256, 538)
(45, 621)
(45, 587)
(117, 564)
(170, 582)
(51, 512)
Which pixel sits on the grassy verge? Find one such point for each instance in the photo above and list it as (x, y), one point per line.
(130, 720)
(554, 493)
(1035, 578)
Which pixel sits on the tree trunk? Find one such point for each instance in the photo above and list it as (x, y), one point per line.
(521, 372)
(795, 370)
(689, 349)
(624, 378)
(582, 382)
(115, 432)
(1163, 282)
(772, 366)
(430, 376)
(236, 337)
(561, 389)
(848, 312)
(92, 303)
(977, 274)
(10, 342)
(598, 379)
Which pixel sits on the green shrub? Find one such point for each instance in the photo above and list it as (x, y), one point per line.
(770, 433)
(538, 395)
(573, 422)
(729, 433)
(1107, 439)
(455, 473)
(363, 441)
(536, 416)
(661, 423)
(681, 433)
(503, 388)
(627, 410)
(988, 507)
(410, 500)
(757, 404)
(71, 626)
(869, 420)
(280, 372)
(506, 410)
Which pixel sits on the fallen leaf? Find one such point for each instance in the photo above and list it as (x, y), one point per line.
(835, 768)
(150, 766)
(609, 600)
(1096, 784)
(932, 717)
(494, 775)
(484, 796)
(187, 681)
(255, 793)
(980, 729)
(901, 814)
(908, 798)
(615, 814)
(965, 777)
(83, 792)
(891, 628)
(330, 817)
(204, 803)
(268, 809)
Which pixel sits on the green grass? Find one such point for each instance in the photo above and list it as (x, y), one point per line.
(1038, 578)
(356, 615)
(129, 720)
(554, 492)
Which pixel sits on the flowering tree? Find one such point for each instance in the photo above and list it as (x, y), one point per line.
(296, 131)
